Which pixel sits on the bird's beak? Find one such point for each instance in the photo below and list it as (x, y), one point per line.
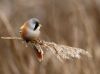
(40, 25)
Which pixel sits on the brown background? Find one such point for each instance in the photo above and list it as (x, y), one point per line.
(71, 22)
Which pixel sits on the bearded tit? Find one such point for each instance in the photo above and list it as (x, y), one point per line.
(30, 30)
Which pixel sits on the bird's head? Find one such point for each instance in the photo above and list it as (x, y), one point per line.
(30, 29)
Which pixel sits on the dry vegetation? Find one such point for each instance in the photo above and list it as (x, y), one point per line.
(71, 22)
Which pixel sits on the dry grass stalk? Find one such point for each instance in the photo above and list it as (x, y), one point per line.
(15, 38)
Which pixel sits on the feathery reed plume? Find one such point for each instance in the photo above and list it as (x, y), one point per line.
(62, 52)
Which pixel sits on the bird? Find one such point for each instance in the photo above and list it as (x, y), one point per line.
(30, 33)
(30, 30)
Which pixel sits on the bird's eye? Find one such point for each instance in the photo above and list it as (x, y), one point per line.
(36, 25)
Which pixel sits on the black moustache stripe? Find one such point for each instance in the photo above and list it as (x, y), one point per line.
(37, 24)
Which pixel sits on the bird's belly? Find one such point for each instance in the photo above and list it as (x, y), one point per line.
(33, 34)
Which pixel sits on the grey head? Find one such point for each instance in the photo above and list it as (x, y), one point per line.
(33, 23)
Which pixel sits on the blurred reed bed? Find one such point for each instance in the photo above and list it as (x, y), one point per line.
(70, 22)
